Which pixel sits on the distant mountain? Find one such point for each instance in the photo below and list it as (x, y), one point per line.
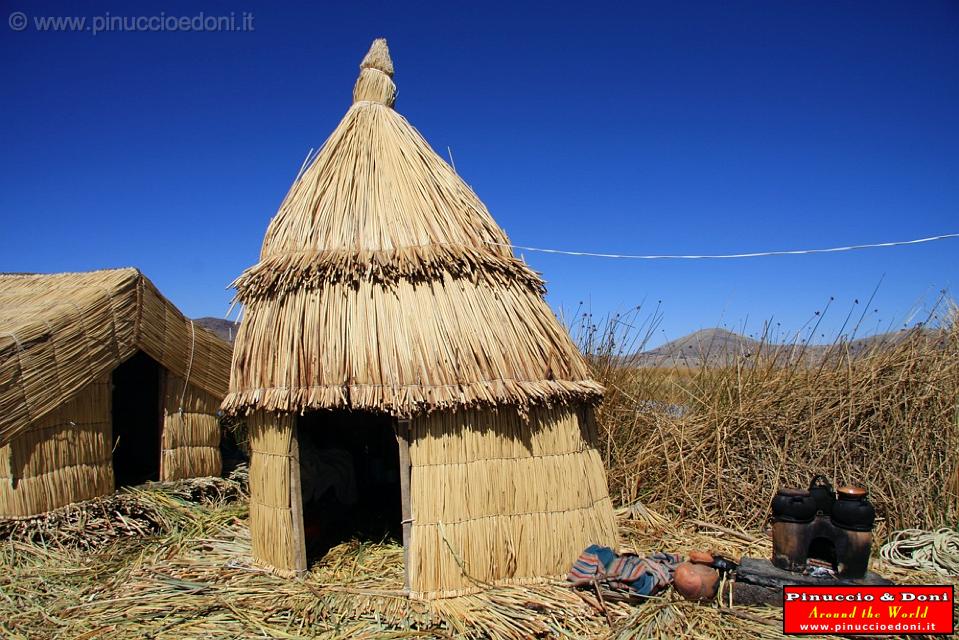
(715, 346)
(720, 346)
(226, 329)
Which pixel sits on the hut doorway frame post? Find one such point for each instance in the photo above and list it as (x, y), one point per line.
(161, 417)
(403, 445)
(296, 502)
(275, 465)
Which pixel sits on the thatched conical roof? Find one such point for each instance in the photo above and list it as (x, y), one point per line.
(385, 284)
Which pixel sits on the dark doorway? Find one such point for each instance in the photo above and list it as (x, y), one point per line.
(136, 421)
(350, 477)
(824, 550)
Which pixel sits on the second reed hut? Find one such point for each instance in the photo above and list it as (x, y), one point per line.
(396, 361)
(103, 383)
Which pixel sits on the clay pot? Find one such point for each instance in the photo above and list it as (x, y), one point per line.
(794, 505)
(852, 510)
(821, 491)
(701, 557)
(696, 582)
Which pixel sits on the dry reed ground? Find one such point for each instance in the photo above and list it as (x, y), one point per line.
(173, 561)
(164, 565)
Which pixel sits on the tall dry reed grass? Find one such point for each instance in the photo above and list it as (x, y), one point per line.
(714, 442)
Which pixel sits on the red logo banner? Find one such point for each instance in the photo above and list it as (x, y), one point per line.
(868, 610)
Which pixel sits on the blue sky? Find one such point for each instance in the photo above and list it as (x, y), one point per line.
(666, 127)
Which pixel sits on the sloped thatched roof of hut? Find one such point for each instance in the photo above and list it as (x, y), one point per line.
(385, 284)
(60, 332)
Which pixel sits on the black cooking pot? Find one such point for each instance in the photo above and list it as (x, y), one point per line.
(822, 492)
(794, 505)
(852, 510)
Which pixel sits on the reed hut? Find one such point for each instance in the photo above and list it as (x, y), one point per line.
(103, 383)
(389, 326)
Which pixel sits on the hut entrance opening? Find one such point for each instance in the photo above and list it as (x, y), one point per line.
(349, 477)
(136, 421)
(824, 550)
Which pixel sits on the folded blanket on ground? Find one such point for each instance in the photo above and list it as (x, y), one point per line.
(641, 575)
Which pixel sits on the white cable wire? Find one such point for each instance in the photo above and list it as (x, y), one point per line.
(758, 254)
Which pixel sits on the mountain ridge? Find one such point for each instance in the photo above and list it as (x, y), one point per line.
(225, 329)
(716, 346)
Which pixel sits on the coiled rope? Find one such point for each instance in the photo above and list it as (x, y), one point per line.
(928, 550)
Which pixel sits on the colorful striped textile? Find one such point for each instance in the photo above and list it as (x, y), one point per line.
(641, 575)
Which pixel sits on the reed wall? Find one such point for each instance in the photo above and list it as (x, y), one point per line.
(182, 347)
(62, 458)
(276, 518)
(191, 432)
(496, 498)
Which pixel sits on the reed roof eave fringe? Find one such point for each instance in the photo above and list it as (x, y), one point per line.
(413, 400)
(61, 332)
(279, 274)
(384, 283)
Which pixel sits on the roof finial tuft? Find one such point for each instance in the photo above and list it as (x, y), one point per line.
(378, 57)
(375, 83)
